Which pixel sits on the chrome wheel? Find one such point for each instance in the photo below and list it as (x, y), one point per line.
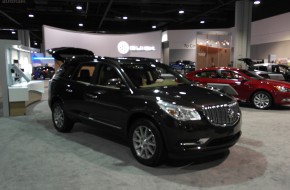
(60, 121)
(262, 100)
(144, 142)
(58, 116)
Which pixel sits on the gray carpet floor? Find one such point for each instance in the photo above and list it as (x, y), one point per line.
(33, 156)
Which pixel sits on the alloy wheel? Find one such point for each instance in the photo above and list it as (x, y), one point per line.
(58, 116)
(144, 142)
(261, 100)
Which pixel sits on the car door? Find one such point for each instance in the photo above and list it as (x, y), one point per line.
(237, 81)
(107, 98)
(204, 77)
(75, 89)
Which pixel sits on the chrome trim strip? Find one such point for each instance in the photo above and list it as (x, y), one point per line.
(101, 122)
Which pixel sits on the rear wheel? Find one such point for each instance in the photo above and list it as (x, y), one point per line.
(146, 143)
(262, 100)
(60, 121)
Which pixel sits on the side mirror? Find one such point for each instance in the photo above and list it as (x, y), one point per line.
(241, 79)
(116, 82)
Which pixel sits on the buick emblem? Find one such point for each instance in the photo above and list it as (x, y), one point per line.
(231, 113)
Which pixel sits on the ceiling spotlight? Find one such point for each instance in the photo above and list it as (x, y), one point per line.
(181, 12)
(13, 32)
(125, 18)
(154, 26)
(79, 7)
(257, 2)
(81, 24)
(202, 22)
(30, 15)
(35, 43)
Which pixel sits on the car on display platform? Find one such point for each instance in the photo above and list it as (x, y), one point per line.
(160, 113)
(183, 66)
(42, 72)
(262, 93)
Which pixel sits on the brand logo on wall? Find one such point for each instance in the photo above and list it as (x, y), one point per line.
(124, 48)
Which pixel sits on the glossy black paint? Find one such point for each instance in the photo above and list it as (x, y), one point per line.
(118, 107)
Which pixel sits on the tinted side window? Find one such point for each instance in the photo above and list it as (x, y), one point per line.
(263, 68)
(108, 76)
(275, 69)
(207, 74)
(227, 74)
(85, 73)
(64, 71)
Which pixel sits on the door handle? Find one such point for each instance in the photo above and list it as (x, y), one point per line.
(92, 96)
(68, 90)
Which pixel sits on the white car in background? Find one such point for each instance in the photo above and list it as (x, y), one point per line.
(268, 70)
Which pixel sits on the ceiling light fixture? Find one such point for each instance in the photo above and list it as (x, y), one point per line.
(125, 18)
(154, 27)
(202, 22)
(35, 43)
(30, 15)
(79, 7)
(81, 24)
(181, 12)
(257, 2)
(13, 32)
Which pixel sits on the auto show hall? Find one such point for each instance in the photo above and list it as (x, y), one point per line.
(34, 156)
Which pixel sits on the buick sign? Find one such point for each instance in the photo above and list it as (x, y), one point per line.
(124, 48)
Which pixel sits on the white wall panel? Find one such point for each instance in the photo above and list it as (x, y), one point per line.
(103, 44)
(273, 29)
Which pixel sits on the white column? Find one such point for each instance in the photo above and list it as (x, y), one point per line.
(24, 37)
(242, 37)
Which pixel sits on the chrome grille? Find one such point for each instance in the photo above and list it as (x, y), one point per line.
(222, 115)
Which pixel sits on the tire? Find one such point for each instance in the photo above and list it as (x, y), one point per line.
(60, 121)
(146, 143)
(41, 77)
(262, 100)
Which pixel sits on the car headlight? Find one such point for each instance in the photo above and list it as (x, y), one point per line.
(179, 112)
(282, 88)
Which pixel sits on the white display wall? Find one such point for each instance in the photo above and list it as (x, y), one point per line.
(140, 45)
(273, 29)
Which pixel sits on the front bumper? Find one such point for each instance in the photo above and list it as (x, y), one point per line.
(197, 138)
(282, 98)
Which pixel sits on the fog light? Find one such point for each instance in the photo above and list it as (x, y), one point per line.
(196, 143)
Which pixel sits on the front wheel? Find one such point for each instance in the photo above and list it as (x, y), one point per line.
(60, 121)
(146, 143)
(262, 100)
(41, 77)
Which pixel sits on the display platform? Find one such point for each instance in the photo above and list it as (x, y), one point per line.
(23, 94)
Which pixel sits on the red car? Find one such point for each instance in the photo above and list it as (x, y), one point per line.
(260, 92)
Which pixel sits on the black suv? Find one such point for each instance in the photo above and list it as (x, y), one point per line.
(158, 110)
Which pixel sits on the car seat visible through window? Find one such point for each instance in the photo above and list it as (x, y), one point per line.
(85, 75)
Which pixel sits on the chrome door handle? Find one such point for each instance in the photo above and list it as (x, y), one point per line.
(68, 90)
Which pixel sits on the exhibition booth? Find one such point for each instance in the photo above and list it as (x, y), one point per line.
(204, 47)
(17, 89)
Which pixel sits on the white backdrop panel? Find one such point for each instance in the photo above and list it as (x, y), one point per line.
(103, 44)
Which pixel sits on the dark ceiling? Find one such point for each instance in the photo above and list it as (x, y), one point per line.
(106, 16)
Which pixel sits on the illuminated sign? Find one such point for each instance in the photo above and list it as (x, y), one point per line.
(124, 48)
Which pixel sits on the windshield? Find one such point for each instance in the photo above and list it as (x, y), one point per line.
(251, 74)
(152, 75)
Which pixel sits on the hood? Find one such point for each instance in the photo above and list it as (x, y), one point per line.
(187, 95)
(64, 53)
(276, 82)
